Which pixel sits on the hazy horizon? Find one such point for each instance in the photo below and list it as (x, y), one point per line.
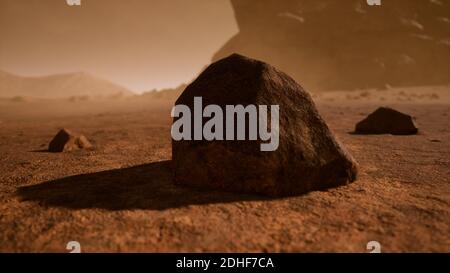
(140, 45)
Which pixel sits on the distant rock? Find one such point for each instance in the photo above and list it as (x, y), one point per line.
(330, 44)
(387, 121)
(308, 156)
(58, 86)
(65, 141)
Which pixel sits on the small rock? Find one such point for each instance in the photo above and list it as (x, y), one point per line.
(65, 141)
(387, 121)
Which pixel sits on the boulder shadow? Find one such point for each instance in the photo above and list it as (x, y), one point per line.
(146, 186)
(40, 151)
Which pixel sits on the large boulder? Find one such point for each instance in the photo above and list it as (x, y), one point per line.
(66, 140)
(308, 156)
(387, 121)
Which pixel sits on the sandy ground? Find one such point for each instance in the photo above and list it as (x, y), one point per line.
(119, 197)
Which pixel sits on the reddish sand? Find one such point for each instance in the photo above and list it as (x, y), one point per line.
(119, 197)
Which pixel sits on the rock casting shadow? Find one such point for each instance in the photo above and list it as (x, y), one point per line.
(146, 186)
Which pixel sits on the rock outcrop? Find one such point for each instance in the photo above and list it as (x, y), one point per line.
(330, 44)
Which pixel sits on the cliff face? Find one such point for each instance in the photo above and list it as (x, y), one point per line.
(331, 44)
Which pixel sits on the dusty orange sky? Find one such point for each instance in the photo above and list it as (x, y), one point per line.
(141, 44)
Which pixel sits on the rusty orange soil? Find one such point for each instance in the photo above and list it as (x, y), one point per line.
(120, 197)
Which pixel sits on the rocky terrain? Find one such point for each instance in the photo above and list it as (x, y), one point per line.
(120, 196)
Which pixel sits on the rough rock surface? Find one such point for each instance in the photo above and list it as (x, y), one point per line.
(65, 141)
(387, 121)
(308, 157)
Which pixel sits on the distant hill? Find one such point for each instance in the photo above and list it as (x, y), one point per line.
(165, 94)
(58, 86)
